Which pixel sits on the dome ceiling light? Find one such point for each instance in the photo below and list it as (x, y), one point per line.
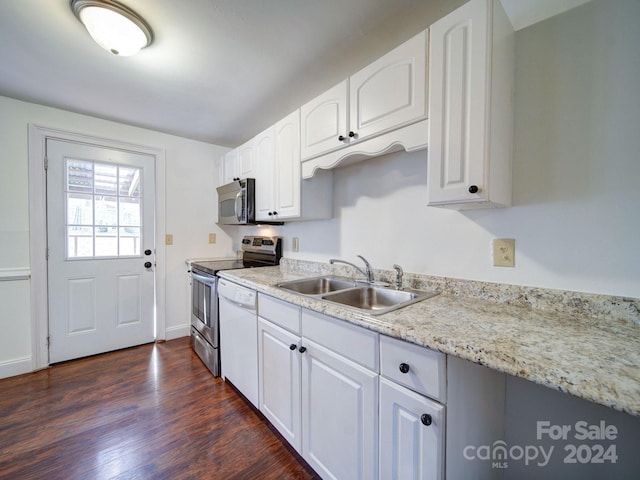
(113, 26)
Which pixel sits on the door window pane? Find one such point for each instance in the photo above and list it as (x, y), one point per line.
(103, 209)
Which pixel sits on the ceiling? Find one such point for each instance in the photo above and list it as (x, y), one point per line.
(218, 70)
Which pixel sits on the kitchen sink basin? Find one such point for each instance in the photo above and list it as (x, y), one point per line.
(377, 300)
(318, 285)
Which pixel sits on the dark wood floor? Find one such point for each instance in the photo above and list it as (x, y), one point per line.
(150, 412)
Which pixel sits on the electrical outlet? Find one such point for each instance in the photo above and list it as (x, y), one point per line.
(504, 252)
(295, 244)
(212, 238)
(168, 240)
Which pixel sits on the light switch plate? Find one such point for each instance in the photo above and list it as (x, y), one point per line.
(168, 239)
(504, 252)
(212, 238)
(295, 244)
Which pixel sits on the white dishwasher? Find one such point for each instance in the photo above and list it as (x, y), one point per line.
(239, 337)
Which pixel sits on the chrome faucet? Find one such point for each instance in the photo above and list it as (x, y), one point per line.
(399, 273)
(367, 272)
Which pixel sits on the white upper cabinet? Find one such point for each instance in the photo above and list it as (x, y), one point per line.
(390, 92)
(246, 160)
(323, 123)
(287, 183)
(281, 194)
(264, 149)
(229, 169)
(471, 68)
(364, 115)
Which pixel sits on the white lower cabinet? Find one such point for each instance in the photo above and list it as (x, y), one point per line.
(279, 380)
(411, 434)
(359, 405)
(339, 415)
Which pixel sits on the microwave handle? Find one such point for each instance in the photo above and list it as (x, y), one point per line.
(238, 197)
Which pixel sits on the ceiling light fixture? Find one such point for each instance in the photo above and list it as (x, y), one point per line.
(113, 26)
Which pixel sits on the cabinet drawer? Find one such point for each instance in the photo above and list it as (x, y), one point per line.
(426, 372)
(355, 343)
(283, 314)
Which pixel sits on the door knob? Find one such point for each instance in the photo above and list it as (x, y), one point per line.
(147, 252)
(147, 264)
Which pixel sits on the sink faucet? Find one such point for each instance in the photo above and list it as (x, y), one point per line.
(368, 272)
(399, 273)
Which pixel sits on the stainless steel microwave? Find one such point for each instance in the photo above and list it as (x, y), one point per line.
(236, 202)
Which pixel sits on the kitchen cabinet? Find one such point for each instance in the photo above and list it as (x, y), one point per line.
(228, 169)
(281, 194)
(411, 434)
(471, 69)
(412, 426)
(383, 97)
(317, 389)
(238, 163)
(239, 335)
(279, 363)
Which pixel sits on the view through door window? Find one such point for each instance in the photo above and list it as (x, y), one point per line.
(102, 209)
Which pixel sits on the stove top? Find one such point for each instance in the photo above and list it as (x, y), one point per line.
(256, 252)
(214, 266)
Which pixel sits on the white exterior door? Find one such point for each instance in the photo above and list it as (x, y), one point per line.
(100, 235)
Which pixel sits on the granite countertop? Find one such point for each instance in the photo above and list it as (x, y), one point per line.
(593, 355)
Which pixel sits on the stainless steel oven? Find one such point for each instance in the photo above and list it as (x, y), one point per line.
(257, 251)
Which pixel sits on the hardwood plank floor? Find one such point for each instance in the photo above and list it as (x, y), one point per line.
(149, 412)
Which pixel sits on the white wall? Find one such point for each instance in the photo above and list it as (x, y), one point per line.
(575, 217)
(190, 204)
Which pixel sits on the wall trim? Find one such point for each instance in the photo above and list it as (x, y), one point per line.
(17, 366)
(14, 274)
(38, 233)
(177, 332)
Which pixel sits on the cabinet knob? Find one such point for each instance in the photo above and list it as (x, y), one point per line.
(270, 213)
(302, 349)
(352, 134)
(147, 264)
(426, 419)
(473, 189)
(293, 346)
(147, 252)
(342, 138)
(404, 367)
(275, 213)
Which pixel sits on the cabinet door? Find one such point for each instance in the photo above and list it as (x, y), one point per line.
(323, 120)
(246, 160)
(229, 167)
(239, 356)
(339, 419)
(459, 62)
(287, 181)
(408, 447)
(392, 91)
(279, 380)
(265, 174)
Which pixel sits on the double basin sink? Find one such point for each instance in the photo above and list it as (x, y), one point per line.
(371, 299)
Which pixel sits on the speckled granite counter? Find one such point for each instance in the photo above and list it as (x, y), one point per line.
(581, 344)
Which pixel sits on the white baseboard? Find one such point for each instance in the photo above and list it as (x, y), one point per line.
(18, 366)
(172, 333)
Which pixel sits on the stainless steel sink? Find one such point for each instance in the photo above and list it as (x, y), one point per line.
(318, 285)
(377, 300)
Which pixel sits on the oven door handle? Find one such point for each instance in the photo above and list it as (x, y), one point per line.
(211, 281)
